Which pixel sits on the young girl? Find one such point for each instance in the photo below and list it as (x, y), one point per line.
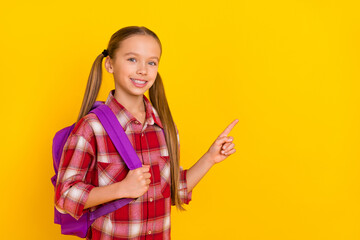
(91, 171)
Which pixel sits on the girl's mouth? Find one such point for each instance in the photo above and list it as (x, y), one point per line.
(138, 83)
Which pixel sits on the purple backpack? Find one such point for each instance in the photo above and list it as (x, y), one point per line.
(69, 225)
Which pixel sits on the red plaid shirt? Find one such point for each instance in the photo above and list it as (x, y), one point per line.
(90, 159)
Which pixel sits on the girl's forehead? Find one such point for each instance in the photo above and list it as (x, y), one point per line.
(140, 44)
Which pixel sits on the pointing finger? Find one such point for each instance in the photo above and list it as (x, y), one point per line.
(229, 128)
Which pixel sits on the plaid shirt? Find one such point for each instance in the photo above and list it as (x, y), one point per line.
(90, 159)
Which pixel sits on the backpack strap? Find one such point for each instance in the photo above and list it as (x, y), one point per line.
(125, 149)
(118, 136)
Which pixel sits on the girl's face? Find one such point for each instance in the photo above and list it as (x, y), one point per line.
(135, 65)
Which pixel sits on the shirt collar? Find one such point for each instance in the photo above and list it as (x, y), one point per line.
(125, 117)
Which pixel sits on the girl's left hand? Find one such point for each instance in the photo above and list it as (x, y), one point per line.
(223, 145)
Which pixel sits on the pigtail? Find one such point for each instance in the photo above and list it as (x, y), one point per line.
(159, 101)
(92, 87)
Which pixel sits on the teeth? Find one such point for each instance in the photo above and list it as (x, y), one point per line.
(138, 81)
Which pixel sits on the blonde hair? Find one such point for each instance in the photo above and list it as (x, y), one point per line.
(157, 98)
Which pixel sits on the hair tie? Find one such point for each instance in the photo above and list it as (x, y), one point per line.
(105, 53)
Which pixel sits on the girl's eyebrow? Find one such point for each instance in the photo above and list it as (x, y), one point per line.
(129, 53)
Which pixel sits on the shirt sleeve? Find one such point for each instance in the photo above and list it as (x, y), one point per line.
(185, 196)
(76, 169)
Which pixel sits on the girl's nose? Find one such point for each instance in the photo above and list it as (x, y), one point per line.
(142, 69)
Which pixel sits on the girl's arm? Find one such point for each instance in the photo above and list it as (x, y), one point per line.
(198, 171)
(100, 195)
(135, 184)
(75, 189)
(219, 151)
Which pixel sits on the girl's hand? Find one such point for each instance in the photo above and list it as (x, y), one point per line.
(223, 145)
(136, 182)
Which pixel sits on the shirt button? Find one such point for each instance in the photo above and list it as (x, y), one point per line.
(142, 134)
(149, 232)
(151, 199)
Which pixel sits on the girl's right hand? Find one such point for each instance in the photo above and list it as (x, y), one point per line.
(136, 182)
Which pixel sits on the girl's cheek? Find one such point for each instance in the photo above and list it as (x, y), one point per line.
(154, 73)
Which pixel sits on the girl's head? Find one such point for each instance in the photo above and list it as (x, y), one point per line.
(134, 54)
(134, 62)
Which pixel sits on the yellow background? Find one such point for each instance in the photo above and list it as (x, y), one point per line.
(288, 70)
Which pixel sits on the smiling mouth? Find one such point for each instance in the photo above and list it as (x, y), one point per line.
(138, 81)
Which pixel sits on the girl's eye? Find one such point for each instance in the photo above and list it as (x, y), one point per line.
(131, 59)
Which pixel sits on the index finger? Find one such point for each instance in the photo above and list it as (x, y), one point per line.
(229, 128)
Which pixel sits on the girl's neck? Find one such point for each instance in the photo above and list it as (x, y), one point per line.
(134, 104)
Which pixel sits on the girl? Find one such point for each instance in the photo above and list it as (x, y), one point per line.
(91, 171)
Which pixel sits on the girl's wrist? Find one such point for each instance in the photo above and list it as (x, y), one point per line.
(120, 190)
(209, 159)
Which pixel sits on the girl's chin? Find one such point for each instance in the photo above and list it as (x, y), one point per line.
(138, 91)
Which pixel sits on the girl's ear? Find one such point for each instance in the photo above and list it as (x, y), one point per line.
(108, 65)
